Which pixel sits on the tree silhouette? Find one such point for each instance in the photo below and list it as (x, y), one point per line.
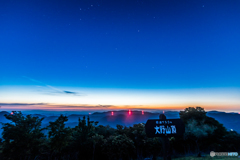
(106, 131)
(197, 131)
(200, 126)
(0, 148)
(232, 141)
(23, 137)
(119, 147)
(59, 136)
(138, 135)
(85, 138)
(197, 113)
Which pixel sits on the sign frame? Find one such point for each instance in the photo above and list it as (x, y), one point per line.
(164, 128)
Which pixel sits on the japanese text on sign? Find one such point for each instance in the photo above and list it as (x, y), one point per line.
(165, 130)
(163, 122)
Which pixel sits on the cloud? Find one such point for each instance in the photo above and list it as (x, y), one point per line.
(84, 106)
(68, 92)
(33, 80)
(17, 104)
(54, 107)
(54, 90)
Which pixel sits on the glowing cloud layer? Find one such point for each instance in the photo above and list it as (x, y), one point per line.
(31, 97)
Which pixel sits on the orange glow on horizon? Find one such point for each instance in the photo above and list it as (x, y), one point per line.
(93, 108)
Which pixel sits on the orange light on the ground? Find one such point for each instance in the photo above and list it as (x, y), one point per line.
(11, 113)
(112, 113)
(129, 112)
(142, 113)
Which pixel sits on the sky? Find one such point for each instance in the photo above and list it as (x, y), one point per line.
(121, 54)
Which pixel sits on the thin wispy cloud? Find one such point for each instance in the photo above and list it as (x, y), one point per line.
(60, 106)
(25, 104)
(53, 90)
(84, 106)
(68, 92)
(48, 106)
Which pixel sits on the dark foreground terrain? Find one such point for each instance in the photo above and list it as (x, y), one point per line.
(118, 136)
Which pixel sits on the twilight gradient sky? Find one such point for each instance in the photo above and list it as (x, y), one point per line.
(119, 54)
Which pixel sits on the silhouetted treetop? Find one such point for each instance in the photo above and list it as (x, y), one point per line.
(197, 113)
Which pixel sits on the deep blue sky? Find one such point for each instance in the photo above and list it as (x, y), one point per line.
(139, 44)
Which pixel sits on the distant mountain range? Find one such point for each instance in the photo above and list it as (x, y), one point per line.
(229, 120)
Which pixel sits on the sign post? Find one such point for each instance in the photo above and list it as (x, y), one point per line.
(165, 128)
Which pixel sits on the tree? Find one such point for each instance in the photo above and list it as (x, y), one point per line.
(197, 113)
(96, 139)
(23, 137)
(138, 135)
(106, 131)
(59, 136)
(197, 131)
(152, 147)
(119, 147)
(232, 141)
(1, 148)
(199, 126)
(85, 138)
